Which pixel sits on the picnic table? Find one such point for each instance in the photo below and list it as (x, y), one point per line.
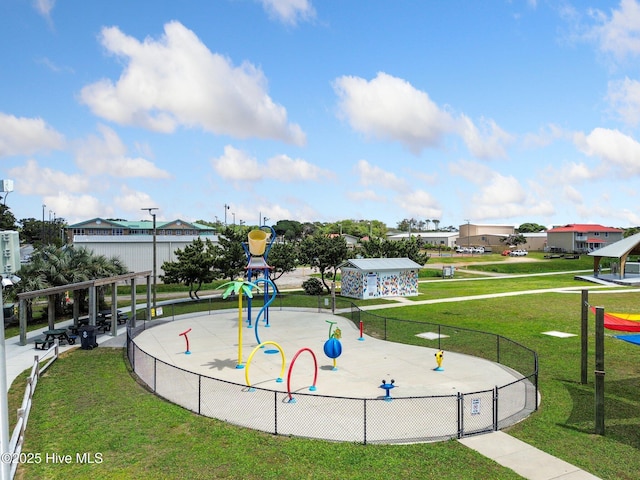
(104, 316)
(60, 334)
(50, 336)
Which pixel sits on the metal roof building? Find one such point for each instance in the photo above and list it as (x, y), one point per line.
(379, 277)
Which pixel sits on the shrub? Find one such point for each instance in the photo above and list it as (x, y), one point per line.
(313, 286)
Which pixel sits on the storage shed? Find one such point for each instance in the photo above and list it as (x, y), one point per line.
(379, 277)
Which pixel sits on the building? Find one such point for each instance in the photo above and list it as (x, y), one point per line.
(491, 237)
(535, 241)
(379, 277)
(443, 239)
(582, 238)
(132, 242)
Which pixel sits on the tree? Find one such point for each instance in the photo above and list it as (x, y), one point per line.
(283, 258)
(409, 248)
(324, 253)
(52, 266)
(290, 230)
(231, 259)
(7, 219)
(531, 228)
(516, 239)
(436, 224)
(194, 266)
(631, 231)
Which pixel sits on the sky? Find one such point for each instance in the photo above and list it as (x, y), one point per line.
(493, 112)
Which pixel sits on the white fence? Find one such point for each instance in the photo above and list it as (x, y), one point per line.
(17, 437)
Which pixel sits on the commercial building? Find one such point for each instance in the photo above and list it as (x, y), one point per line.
(132, 242)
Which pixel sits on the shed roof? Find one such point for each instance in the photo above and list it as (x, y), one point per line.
(381, 264)
(629, 245)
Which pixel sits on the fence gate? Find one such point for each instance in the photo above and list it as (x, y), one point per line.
(478, 412)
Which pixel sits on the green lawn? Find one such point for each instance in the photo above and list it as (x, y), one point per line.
(89, 402)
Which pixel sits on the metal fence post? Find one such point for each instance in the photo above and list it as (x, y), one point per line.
(275, 412)
(365, 421)
(460, 415)
(495, 408)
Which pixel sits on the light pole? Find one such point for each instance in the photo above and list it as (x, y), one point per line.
(43, 239)
(5, 466)
(468, 235)
(153, 215)
(226, 207)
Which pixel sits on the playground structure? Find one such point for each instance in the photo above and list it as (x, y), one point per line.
(346, 407)
(316, 400)
(257, 252)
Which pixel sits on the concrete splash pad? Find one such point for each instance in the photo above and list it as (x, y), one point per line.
(348, 403)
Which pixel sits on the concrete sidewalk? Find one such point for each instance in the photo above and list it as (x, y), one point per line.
(522, 458)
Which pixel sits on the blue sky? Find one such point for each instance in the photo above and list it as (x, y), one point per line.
(493, 112)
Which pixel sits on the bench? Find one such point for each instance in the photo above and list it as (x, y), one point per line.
(41, 343)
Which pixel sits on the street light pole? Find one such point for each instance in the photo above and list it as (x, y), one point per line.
(5, 439)
(44, 242)
(468, 235)
(153, 215)
(226, 207)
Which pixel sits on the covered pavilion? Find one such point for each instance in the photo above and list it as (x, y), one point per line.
(624, 272)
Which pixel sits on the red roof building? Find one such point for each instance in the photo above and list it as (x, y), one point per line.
(582, 237)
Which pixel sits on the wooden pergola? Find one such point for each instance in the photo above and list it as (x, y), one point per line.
(620, 250)
(92, 286)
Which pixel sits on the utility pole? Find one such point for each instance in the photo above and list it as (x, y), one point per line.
(153, 215)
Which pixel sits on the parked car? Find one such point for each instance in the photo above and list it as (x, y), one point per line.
(518, 253)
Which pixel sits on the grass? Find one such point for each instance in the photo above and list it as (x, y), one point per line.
(88, 402)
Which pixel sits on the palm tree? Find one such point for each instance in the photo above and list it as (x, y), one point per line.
(52, 266)
(239, 287)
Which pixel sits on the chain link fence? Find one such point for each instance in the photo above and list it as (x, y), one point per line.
(363, 420)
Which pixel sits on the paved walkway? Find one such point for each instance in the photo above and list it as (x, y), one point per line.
(527, 461)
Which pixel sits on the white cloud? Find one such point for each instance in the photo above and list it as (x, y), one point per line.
(33, 179)
(570, 173)
(571, 194)
(26, 136)
(544, 137)
(178, 81)
(624, 98)
(503, 196)
(420, 204)
(502, 189)
(286, 169)
(365, 196)
(390, 108)
(488, 143)
(615, 149)
(373, 175)
(238, 165)
(130, 200)
(44, 8)
(289, 11)
(619, 34)
(472, 171)
(108, 155)
(76, 207)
